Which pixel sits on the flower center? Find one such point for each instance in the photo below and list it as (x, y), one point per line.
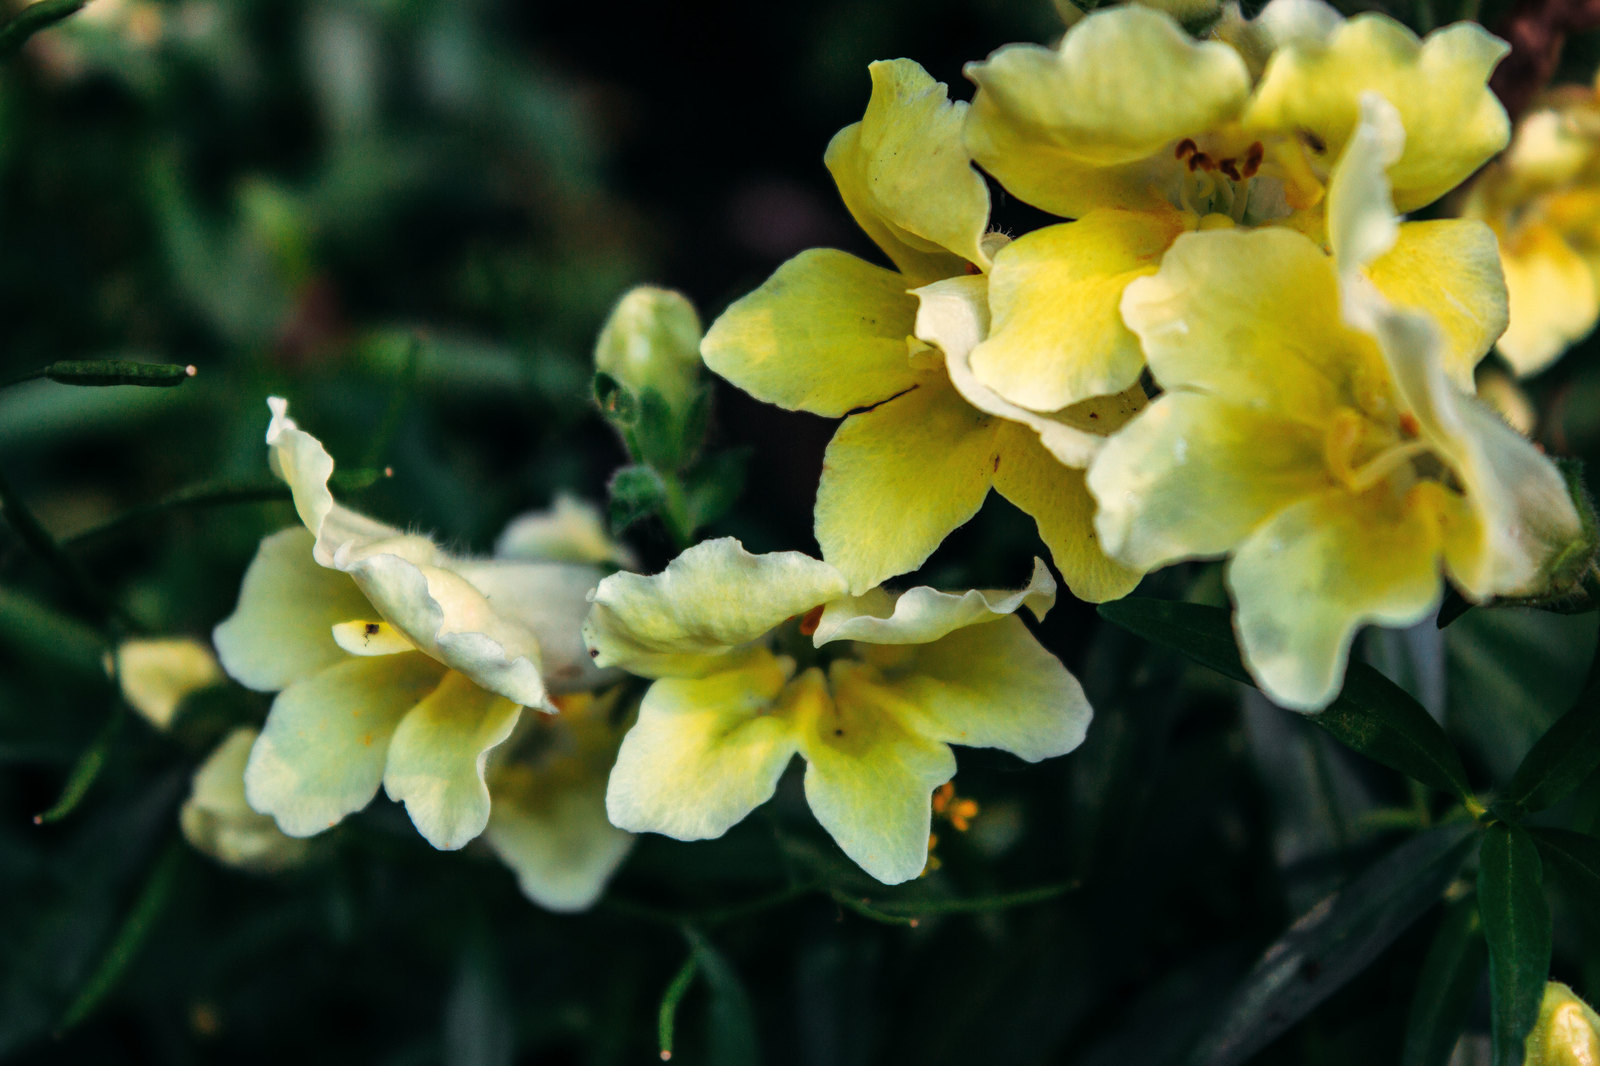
(1250, 181)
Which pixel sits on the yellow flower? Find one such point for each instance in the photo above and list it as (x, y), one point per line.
(156, 675)
(1140, 134)
(901, 678)
(1567, 1032)
(831, 334)
(397, 663)
(1310, 431)
(1542, 199)
(217, 820)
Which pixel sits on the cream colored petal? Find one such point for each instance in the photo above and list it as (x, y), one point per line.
(322, 752)
(870, 776)
(1308, 578)
(1281, 22)
(216, 819)
(1091, 123)
(1056, 336)
(684, 621)
(921, 615)
(436, 759)
(1552, 296)
(896, 480)
(1194, 475)
(571, 531)
(903, 173)
(1453, 122)
(549, 600)
(157, 675)
(1449, 269)
(1057, 498)
(990, 686)
(706, 752)
(826, 334)
(1362, 224)
(557, 841)
(281, 630)
(651, 340)
(1224, 299)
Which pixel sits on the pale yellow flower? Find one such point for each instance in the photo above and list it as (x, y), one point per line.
(1567, 1032)
(217, 819)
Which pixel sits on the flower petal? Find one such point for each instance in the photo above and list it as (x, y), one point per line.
(990, 686)
(322, 752)
(684, 621)
(826, 334)
(1552, 294)
(1057, 498)
(708, 751)
(870, 776)
(556, 840)
(216, 819)
(898, 478)
(1057, 335)
(1090, 124)
(281, 630)
(922, 614)
(437, 757)
(1453, 122)
(904, 174)
(156, 675)
(1194, 474)
(549, 600)
(1449, 269)
(571, 531)
(1321, 568)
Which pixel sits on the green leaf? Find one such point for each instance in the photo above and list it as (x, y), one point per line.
(637, 493)
(616, 401)
(715, 486)
(733, 1028)
(103, 372)
(1446, 986)
(1516, 924)
(1575, 857)
(35, 17)
(1334, 941)
(84, 771)
(1563, 758)
(1372, 714)
(667, 1014)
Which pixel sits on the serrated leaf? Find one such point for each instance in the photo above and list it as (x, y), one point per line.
(1372, 714)
(1446, 986)
(1516, 924)
(1335, 941)
(1563, 758)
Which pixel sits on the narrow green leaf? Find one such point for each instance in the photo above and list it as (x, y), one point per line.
(733, 1027)
(1516, 924)
(32, 19)
(44, 635)
(84, 771)
(1563, 758)
(130, 937)
(1372, 714)
(38, 539)
(1575, 858)
(103, 372)
(715, 486)
(1445, 988)
(1335, 941)
(667, 1014)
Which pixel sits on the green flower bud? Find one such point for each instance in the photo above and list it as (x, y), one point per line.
(648, 375)
(1567, 1033)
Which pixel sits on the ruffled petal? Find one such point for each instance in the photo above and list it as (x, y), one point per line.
(904, 174)
(1453, 122)
(896, 480)
(870, 776)
(1552, 294)
(557, 840)
(715, 597)
(1318, 570)
(1057, 336)
(1091, 123)
(216, 819)
(706, 752)
(436, 759)
(922, 614)
(1194, 474)
(322, 752)
(826, 334)
(548, 600)
(281, 631)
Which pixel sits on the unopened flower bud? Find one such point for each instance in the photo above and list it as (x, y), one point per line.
(1567, 1032)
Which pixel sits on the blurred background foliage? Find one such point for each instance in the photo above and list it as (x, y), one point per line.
(413, 215)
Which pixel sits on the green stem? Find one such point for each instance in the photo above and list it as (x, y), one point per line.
(389, 425)
(35, 17)
(667, 1016)
(865, 908)
(38, 539)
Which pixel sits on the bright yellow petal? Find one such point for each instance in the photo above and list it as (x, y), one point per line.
(1453, 122)
(870, 777)
(715, 597)
(897, 479)
(922, 614)
(990, 686)
(706, 752)
(1091, 123)
(826, 334)
(1317, 571)
(282, 629)
(322, 752)
(1450, 269)
(1224, 300)
(1194, 475)
(555, 837)
(903, 173)
(1056, 335)
(1058, 500)
(217, 820)
(1553, 301)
